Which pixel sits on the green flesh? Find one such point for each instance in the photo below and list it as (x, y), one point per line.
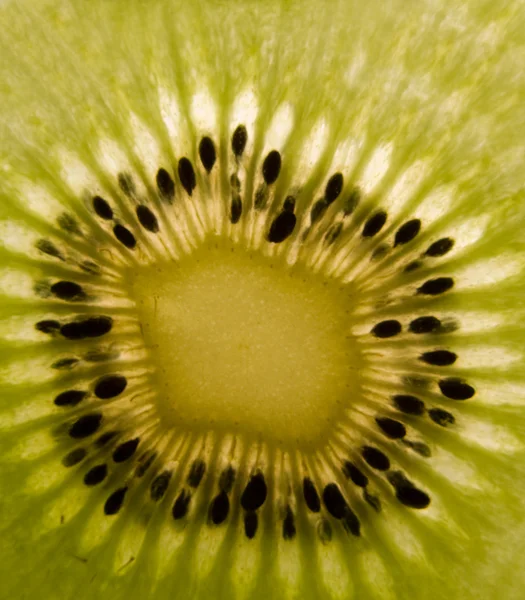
(421, 109)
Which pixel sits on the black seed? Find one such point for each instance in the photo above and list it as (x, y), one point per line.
(441, 417)
(65, 363)
(352, 201)
(49, 248)
(374, 501)
(165, 185)
(227, 479)
(406, 492)
(147, 219)
(239, 139)
(70, 398)
(74, 457)
(375, 458)
(311, 496)
(207, 153)
(271, 167)
(159, 486)
(88, 328)
(318, 210)
(235, 209)
(105, 438)
(289, 529)
(69, 224)
(96, 475)
(125, 450)
(333, 233)
(197, 470)
(219, 508)
(439, 358)
(47, 326)
(140, 471)
(407, 232)
(126, 183)
(334, 501)
(351, 522)
(412, 266)
(250, 524)
(68, 290)
(124, 236)
(289, 204)
(391, 428)
(102, 208)
(324, 531)
(386, 329)
(187, 175)
(374, 224)
(282, 227)
(254, 493)
(333, 188)
(182, 503)
(425, 325)
(110, 386)
(456, 389)
(114, 502)
(409, 404)
(440, 247)
(433, 287)
(353, 473)
(261, 197)
(85, 426)
(419, 447)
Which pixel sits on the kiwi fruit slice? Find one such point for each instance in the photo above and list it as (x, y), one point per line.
(261, 299)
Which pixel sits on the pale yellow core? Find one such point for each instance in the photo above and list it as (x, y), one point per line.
(247, 344)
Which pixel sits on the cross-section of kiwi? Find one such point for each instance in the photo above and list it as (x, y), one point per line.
(261, 300)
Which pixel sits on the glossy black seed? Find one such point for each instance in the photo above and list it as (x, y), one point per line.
(105, 438)
(70, 398)
(425, 325)
(254, 493)
(250, 524)
(324, 531)
(85, 426)
(187, 175)
(375, 458)
(49, 248)
(420, 447)
(406, 492)
(181, 505)
(354, 474)
(197, 470)
(433, 287)
(235, 209)
(69, 224)
(239, 139)
(439, 358)
(261, 197)
(141, 469)
(352, 202)
(407, 232)
(441, 417)
(373, 500)
(333, 188)
(47, 326)
(409, 404)
(386, 329)
(289, 204)
(351, 522)
(125, 450)
(74, 457)
(126, 183)
(147, 219)
(165, 185)
(318, 210)
(440, 247)
(110, 386)
(333, 233)
(219, 508)
(68, 290)
(96, 475)
(227, 479)
(271, 167)
(159, 486)
(124, 236)
(114, 502)
(65, 363)
(374, 224)
(207, 153)
(102, 208)
(311, 496)
(334, 501)
(391, 428)
(282, 227)
(412, 266)
(456, 389)
(289, 529)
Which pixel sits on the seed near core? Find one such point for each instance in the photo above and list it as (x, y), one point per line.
(248, 344)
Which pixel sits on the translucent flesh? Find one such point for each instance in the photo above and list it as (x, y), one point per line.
(420, 107)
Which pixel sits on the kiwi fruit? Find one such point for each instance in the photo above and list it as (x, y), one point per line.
(261, 299)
